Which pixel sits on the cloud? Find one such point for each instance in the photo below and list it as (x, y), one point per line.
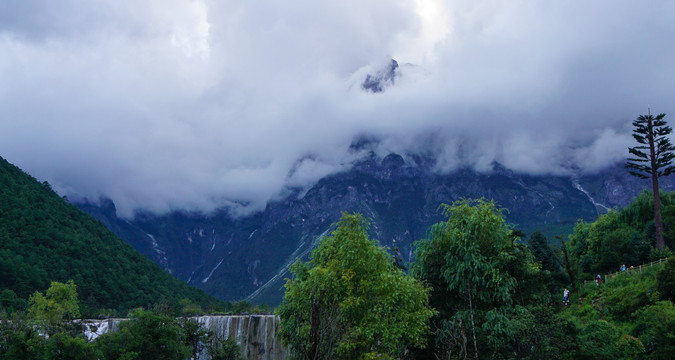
(178, 104)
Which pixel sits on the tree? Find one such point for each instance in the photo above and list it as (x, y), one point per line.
(196, 336)
(474, 266)
(223, 349)
(666, 280)
(542, 251)
(147, 335)
(350, 301)
(652, 133)
(60, 304)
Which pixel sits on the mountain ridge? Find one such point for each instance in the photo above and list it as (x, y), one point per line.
(43, 238)
(234, 258)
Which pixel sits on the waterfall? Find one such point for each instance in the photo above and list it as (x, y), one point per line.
(96, 328)
(256, 334)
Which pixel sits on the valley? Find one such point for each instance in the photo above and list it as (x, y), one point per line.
(248, 257)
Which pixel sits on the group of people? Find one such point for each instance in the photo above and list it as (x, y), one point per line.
(598, 282)
(566, 292)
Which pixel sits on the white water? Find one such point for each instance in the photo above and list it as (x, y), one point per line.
(211, 273)
(256, 334)
(597, 205)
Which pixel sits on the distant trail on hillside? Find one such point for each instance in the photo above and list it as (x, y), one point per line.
(638, 268)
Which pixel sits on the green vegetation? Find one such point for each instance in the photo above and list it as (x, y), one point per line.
(652, 159)
(621, 237)
(351, 302)
(48, 333)
(625, 318)
(486, 287)
(631, 315)
(494, 296)
(475, 289)
(45, 239)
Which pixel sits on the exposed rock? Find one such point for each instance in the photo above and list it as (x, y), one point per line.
(249, 257)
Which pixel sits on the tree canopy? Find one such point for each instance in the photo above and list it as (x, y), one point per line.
(60, 303)
(43, 239)
(351, 302)
(652, 158)
(479, 273)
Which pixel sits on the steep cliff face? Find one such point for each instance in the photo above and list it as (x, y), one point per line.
(234, 258)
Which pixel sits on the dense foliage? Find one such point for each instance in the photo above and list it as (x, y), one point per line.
(45, 239)
(486, 286)
(475, 289)
(350, 301)
(50, 332)
(621, 237)
(625, 318)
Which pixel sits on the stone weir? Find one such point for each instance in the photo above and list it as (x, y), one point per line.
(256, 334)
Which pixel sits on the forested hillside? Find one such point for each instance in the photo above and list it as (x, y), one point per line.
(43, 238)
(492, 296)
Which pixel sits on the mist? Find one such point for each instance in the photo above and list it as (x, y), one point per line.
(196, 105)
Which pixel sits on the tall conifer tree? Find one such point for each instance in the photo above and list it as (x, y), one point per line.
(652, 135)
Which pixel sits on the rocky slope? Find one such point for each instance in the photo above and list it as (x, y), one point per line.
(234, 258)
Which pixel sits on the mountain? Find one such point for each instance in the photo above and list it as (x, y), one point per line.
(233, 258)
(43, 238)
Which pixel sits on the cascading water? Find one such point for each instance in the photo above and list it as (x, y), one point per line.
(256, 334)
(96, 328)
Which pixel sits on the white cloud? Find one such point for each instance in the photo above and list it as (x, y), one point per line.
(194, 104)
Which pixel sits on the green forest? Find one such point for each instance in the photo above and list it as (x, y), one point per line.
(478, 288)
(50, 330)
(43, 238)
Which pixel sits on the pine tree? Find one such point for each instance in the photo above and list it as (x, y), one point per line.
(652, 133)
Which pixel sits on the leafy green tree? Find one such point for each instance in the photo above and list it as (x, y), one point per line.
(16, 336)
(612, 240)
(601, 340)
(146, 336)
(350, 301)
(542, 252)
(652, 158)
(63, 346)
(60, 303)
(224, 349)
(540, 332)
(196, 336)
(10, 302)
(475, 269)
(656, 329)
(666, 280)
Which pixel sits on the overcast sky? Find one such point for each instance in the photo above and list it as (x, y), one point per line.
(191, 104)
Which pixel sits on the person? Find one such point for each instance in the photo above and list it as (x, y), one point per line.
(598, 280)
(566, 294)
(623, 267)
